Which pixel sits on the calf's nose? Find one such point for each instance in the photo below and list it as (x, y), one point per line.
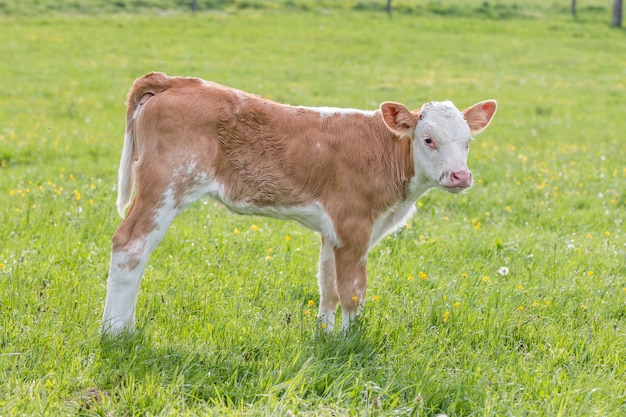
(461, 178)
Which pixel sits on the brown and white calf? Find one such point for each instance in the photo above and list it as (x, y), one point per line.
(351, 175)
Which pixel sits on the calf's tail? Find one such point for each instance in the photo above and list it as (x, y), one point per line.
(142, 90)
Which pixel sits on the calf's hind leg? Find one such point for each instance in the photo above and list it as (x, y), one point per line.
(134, 240)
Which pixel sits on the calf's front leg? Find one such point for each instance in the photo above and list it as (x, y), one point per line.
(350, 265)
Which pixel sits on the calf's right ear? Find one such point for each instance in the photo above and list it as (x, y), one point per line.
(398, 118)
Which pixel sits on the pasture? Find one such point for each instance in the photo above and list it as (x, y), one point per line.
(509, 299)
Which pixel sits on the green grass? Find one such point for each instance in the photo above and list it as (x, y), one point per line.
(224, 322)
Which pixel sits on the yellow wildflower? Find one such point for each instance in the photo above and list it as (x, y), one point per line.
(446, 317)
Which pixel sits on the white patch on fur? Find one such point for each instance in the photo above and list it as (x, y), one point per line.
(392, 220)
(198, 182)
(326, 112)
(312, 216)
(164, 217)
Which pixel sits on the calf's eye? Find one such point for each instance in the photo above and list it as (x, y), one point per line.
(429, 142)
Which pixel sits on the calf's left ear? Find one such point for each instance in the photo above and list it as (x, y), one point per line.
(398, 118)
(480, 114)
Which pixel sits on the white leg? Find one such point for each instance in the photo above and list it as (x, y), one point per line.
(127, 267)
(327, 278)
(133, 242)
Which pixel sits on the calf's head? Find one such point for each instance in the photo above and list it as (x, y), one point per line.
(441, 135)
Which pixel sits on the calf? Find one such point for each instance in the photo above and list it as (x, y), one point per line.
(351, 175)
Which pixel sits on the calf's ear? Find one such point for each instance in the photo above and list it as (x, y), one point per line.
(398, 118)
(480, 114)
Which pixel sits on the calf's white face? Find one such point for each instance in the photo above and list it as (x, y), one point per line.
(441, 145)
(441, 137)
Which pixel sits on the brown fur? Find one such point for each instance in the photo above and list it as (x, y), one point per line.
(267, 153)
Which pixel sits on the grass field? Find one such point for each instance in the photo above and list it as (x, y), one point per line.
(509, 300)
